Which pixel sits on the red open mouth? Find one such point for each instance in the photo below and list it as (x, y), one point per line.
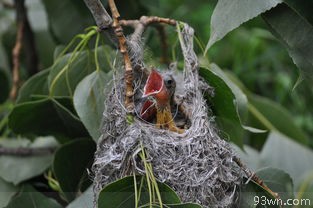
(154, 84)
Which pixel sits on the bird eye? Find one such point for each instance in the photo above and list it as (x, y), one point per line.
(169, 82)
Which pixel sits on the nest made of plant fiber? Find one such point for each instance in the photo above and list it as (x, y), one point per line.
(197, 164)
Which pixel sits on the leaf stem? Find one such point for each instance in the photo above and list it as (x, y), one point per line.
(80, 47)
(136, 190)
(261, 118)
(143, 157)
(96, 53)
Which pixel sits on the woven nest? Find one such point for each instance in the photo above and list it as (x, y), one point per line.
(197, 164)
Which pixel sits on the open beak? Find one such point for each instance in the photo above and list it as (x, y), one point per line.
(154, 84)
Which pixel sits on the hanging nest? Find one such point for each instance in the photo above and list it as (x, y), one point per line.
(198, 164)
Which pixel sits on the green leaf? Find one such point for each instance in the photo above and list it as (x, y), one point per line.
(305, 190)
(36, 85)
(70, 164)
(282, 152)
(17, 169)
(303, 7)
(47, 116)
(106, 56)
(278, 117)
(45, 54)
(69, 69)
(240, 97)
(223, 105)
(89, 101)
(4, 85)
(85, 200)
(121, 193)
(64, 77)
(266, 114)
(7, 190)
(229, 15)
(295, 32)
(61, 15)
(252, 195)
(31, 198)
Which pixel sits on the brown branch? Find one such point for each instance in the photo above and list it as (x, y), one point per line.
(252, 176)
(123, 49)
(29, 44)
(24, 39)
(16, 61)
(141, 25)
(144, 21)
(147, 20)
(129, 23)
(26, 151)
(104, 23)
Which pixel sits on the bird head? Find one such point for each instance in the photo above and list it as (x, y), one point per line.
(160, 86)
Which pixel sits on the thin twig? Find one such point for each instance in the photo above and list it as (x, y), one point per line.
(147, 20)
(24, 39)
(29, 44)
(124, 51)
(252, 176)
(104, 23)
(26, 151)
(141, 25)
(16, 60)
(144, 21)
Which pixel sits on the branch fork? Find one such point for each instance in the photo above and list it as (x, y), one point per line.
(114, 26)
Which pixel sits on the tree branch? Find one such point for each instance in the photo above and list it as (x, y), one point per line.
(144, 21)
(124, 51)
(16, 60)
(105, 22)
(29, 44)
(26, 151)
(252, 176)
(24, 39)
(101, 16)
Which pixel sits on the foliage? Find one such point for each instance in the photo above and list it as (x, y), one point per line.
(16, 170)
(260, 104)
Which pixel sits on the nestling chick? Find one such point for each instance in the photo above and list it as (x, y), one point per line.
(161, 88)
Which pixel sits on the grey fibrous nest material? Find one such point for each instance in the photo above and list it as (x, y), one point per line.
(198, 164)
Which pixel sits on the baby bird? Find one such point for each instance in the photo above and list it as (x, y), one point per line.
(161, 88)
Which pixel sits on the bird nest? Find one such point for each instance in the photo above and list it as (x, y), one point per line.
(198, 164)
